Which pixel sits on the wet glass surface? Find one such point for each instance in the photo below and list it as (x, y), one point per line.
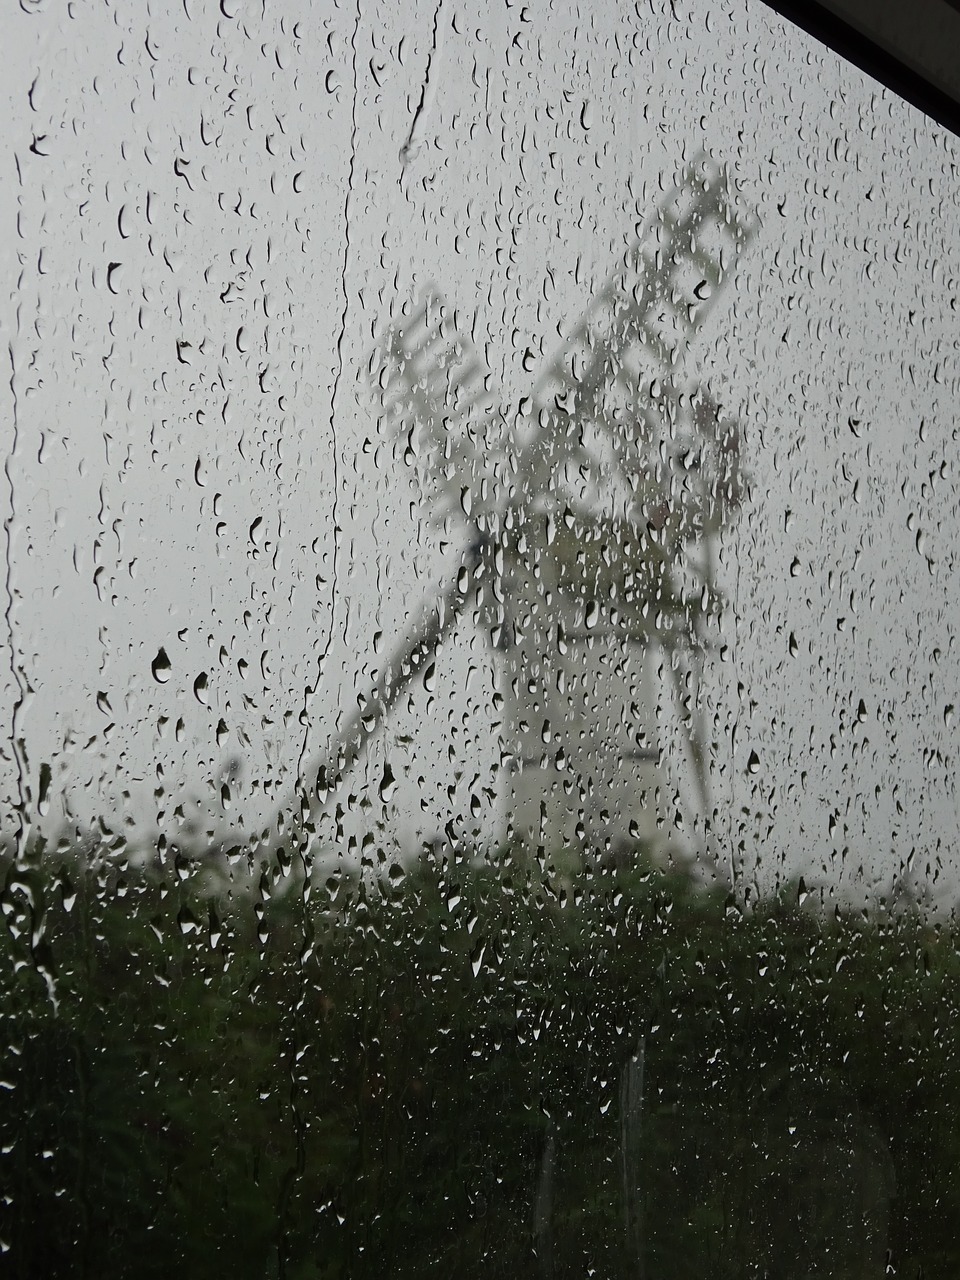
(478, 790)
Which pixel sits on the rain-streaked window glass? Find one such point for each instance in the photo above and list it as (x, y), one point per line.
(479, 679)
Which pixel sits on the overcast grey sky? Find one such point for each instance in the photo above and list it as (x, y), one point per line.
(211, 213)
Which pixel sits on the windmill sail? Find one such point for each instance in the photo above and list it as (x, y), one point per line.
(434, 392)
(646, 313)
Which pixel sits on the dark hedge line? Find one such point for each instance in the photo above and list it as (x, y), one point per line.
(450, 1071)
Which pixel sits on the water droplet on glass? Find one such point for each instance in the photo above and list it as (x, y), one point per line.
(388, 784)
(161, 667)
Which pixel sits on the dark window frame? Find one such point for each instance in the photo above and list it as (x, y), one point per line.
(851, 28)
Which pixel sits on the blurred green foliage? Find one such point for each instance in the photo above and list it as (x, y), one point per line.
(215, 1070)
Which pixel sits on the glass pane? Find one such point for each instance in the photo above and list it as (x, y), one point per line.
(479, 782)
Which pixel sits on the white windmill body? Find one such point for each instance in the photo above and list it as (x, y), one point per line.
(580, 762)
(608, 595)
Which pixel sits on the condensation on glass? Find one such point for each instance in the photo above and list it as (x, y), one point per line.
(479, 502)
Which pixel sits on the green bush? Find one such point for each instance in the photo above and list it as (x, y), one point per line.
(456, 1070)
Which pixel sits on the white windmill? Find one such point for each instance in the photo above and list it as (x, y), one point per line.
(589, 520)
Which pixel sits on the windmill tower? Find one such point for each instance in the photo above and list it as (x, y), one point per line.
(589, 523)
